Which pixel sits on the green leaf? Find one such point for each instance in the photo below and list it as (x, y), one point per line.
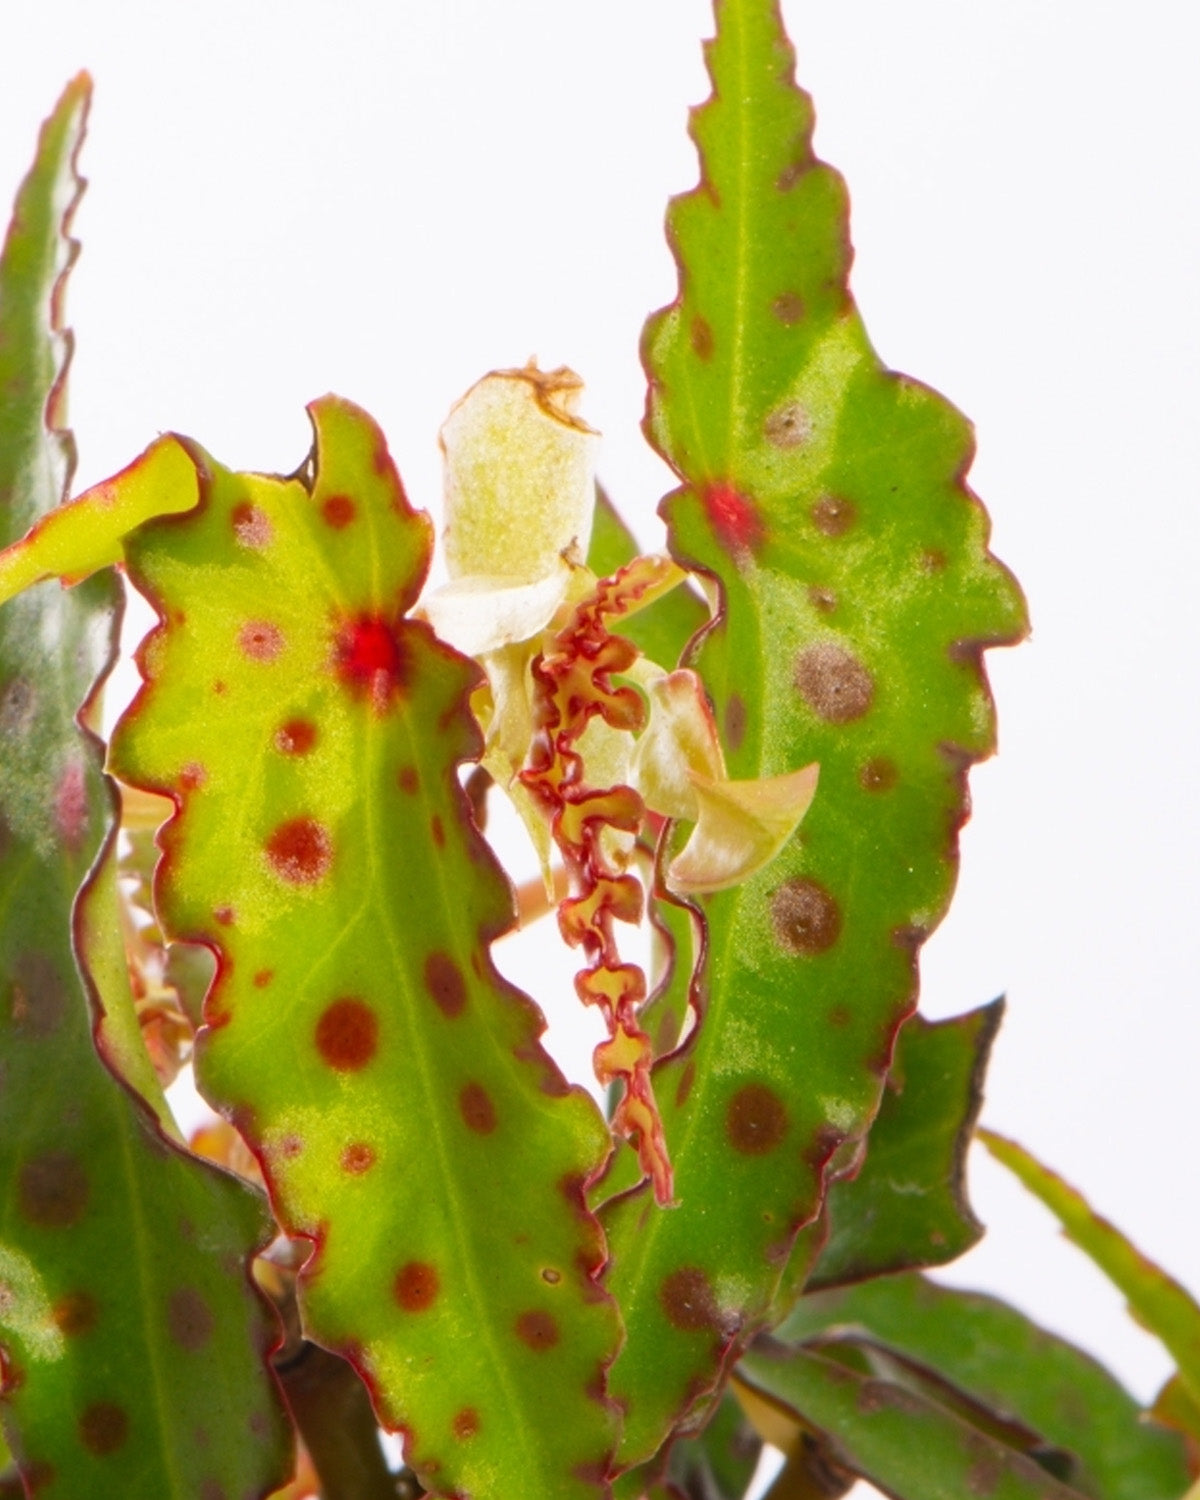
(998, 1358)
(1158, 1302)
(719, 1462)
(907, 1206)
(663, 630)
(130, 1330)
(392, 1085)
(908, 1445)
(825, 497)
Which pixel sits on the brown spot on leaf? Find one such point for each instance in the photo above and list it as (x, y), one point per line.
(224, 915)
(933, 560)
(834, 516)
(788, 426)
(788, 307)
(702, 338)
(76, 1313)
(103, 1427)
(806, 918)
(300, 851)
(684, 1086)
(444, 981)
(538, 1330)
(437, 832)
(756, 1120)
(476, 1107)
(416, 1286)
(18, 708)
(465, 1423)
(834, 683)
(39, 997)
(822, 599)
(839, 1017)
(878, 774)
(263, 978)
(296, 737)
(259, 640)
(338, 511)
(407, 780)
(687, 1299)
(52, 1190)
(550, 1276)
(190, 1319)
(251, 526)
(347, 1034)
(735, 721)
(357, 1158)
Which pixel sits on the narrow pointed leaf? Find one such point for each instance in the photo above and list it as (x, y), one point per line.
(133, 1344)
(907, 1206)
(825, 496)
(997, 1357)
(406, 1119)
(909, 1446)
(1163, 1307)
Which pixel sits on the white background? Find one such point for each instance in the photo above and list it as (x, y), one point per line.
(387, 200)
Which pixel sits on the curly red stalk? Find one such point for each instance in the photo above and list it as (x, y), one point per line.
(574, 684)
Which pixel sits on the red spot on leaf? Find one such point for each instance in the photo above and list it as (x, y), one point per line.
(370, 660)
(260, 640)
(465, 1424)
(190, 1319)
(263, 978)
(347, 1035)
(476, 1107)
(300, 851)
(70, 805)
(734, 518)
(339, 511)
(684, 1087)
(538, 1330)
(296, 737)
(444, 981)
(437, 832)
(192, 777)
(218, 688)
(407, 780)
(224, 915)
(357, 1158)
(416, 1286)
(103, 1428)
(251, 526)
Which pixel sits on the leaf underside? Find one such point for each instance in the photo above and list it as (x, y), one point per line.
(130, 1331)
(392, 1085)
(824, 495)
(997, 1358)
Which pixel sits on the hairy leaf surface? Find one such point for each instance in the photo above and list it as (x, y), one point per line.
(825, 496)
(393, 1087)
(907, 1206)
(133, 1344)
(995, 1356)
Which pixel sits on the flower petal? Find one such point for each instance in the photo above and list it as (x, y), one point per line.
(742, 827)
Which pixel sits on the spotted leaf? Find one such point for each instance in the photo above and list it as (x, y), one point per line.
(824, 498)
(906, 1206)
(991, 1358)
(133, 1344)
(392, 1085)
(907, 1444)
